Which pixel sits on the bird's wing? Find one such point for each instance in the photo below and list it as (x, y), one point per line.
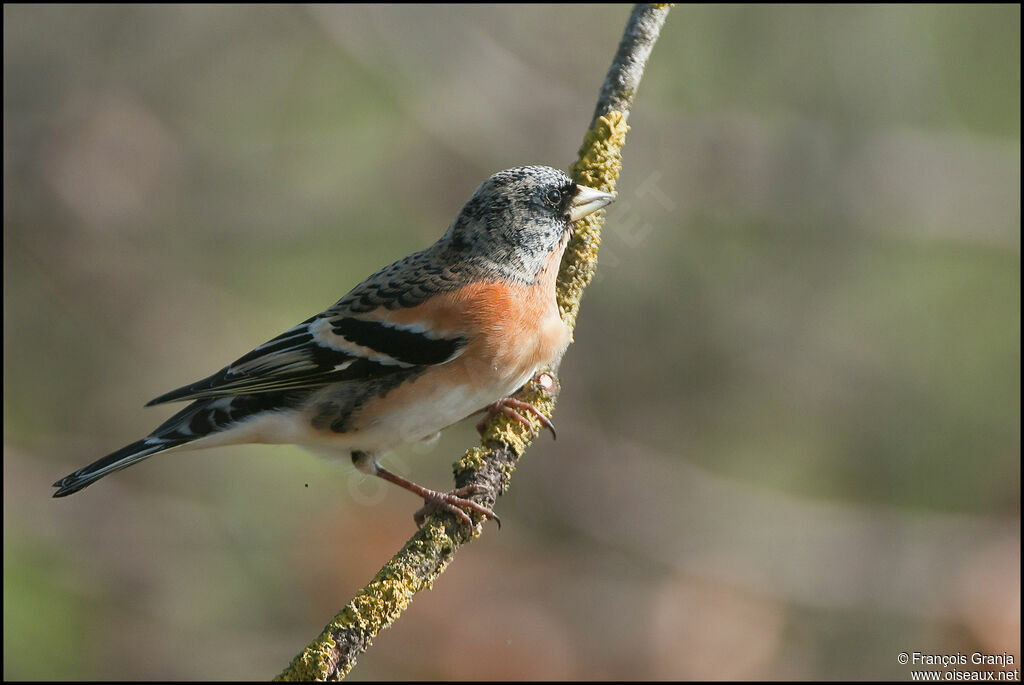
(350, 341)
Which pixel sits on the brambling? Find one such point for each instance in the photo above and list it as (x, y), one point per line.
(447, 332)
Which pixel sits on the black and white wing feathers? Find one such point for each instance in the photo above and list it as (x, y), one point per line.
(345, 343)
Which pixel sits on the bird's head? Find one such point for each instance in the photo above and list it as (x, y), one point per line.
(518, 217)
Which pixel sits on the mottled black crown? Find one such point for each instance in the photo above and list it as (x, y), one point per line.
(515, 219)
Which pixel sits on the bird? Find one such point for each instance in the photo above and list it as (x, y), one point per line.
(447, 332)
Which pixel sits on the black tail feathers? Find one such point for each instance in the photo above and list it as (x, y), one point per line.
(122, 458)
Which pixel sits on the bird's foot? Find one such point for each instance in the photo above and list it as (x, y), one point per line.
(511, 407)
(455, 503)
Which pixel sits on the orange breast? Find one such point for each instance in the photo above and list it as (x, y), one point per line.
(511, 329)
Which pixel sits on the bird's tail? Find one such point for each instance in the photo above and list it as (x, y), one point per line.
(203, 418)
(115, 461)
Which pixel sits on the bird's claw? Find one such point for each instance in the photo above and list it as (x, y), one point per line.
(455, 503)
(510, 407)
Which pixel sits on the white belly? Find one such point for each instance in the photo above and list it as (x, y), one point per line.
(439, 408)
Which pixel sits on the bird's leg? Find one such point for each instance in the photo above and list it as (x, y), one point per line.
(510, 406)
(454, 502)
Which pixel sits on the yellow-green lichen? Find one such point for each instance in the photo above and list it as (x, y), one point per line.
(600, 155)
(378, 604)
(599, 165)
(313, 664)
(473, 460)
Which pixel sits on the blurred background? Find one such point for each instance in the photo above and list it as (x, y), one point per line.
(789, 434)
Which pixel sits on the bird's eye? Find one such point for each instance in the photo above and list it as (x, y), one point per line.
(553, 196)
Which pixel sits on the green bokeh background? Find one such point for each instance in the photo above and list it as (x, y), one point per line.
(789, 435)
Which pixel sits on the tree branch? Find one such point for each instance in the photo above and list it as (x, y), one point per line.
(424, 557)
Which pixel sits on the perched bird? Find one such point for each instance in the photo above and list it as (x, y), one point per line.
(423, 343)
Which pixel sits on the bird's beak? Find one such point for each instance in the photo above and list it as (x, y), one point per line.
(588, 201)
